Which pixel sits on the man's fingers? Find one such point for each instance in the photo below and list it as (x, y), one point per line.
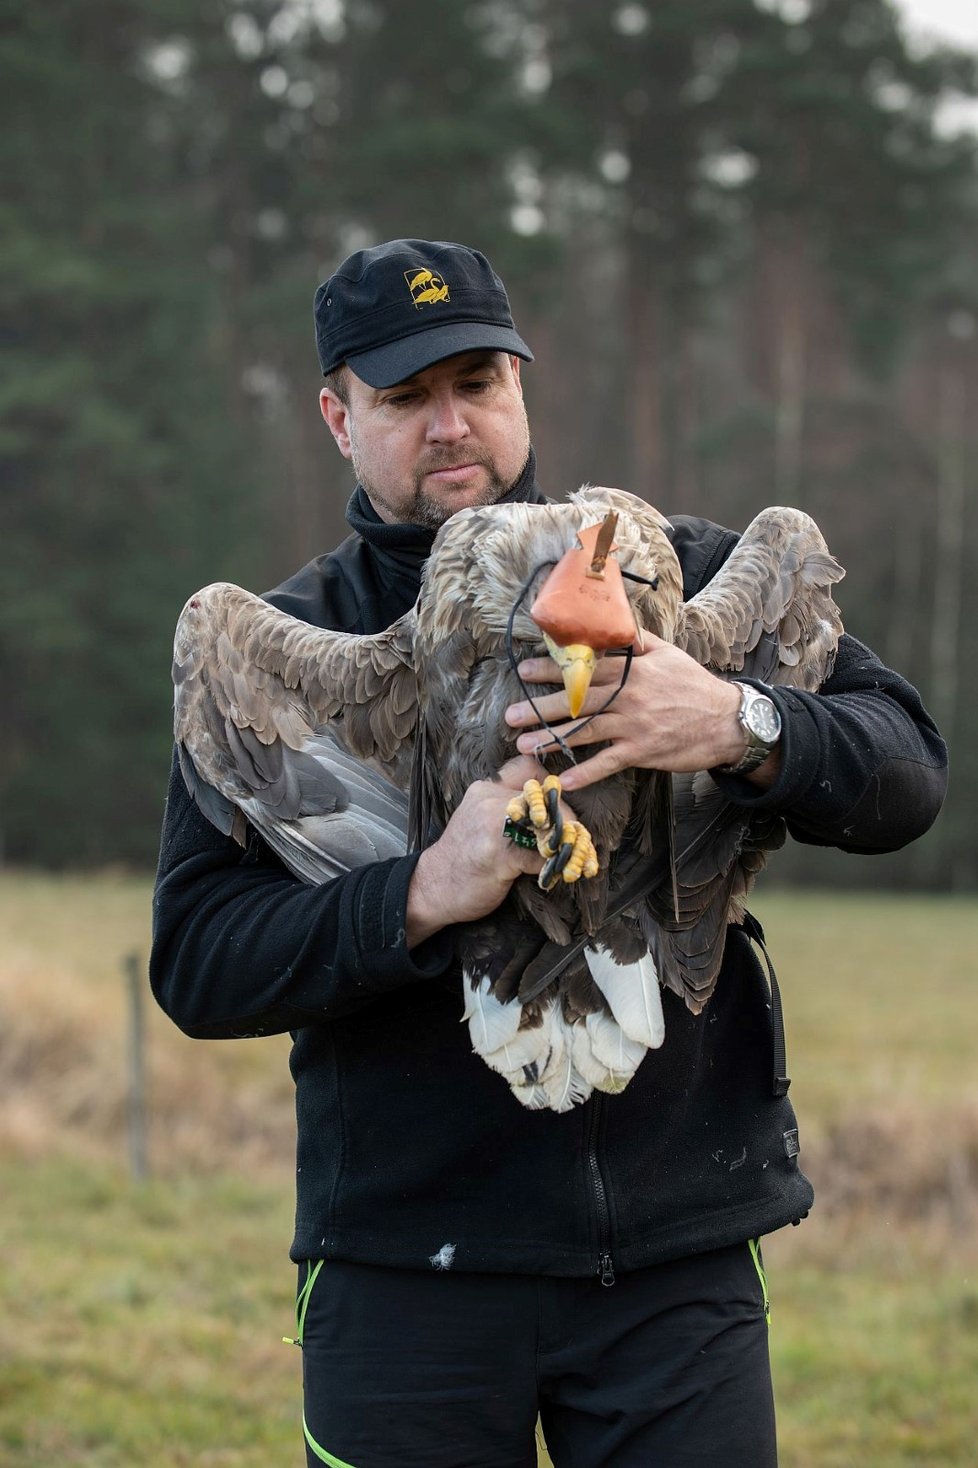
(522, 767)
(552, 707)
(607, 669)
(540, 670)
(540, 742)
(606, 762)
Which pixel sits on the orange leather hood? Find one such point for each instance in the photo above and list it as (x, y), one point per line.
(578, 604)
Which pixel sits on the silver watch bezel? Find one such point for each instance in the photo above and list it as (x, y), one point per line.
(759, 744)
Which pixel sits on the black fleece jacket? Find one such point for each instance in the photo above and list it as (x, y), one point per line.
(406, 1140)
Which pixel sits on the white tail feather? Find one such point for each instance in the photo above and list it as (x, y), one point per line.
(491, 1024)
(611, 1048)
(595, 1075)
(632, 992)
(556, 1066)
(534, 1098)
(558, 1085)
(524, 1056)
(565, 1087)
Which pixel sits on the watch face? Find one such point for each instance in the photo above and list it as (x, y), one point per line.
(763, 720)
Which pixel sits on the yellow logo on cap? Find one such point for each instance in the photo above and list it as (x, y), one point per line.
(426, 288)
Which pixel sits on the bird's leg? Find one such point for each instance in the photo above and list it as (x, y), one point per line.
(535, 819)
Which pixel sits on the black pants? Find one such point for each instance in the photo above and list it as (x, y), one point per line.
(667, 1368)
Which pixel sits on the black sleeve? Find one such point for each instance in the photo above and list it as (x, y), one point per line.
(240, 947)
(863, 766)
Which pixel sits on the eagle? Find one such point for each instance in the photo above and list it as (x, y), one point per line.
(341, 749)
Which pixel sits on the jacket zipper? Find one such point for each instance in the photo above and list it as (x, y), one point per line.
(606, 1268)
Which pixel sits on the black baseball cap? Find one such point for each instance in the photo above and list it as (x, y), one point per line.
(397, 308)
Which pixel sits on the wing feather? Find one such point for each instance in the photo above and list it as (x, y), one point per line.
(283, 722)
(769, 610)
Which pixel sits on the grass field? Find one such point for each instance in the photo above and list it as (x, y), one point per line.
(141, 1323)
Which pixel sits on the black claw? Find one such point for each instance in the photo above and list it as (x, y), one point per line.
(556, 819)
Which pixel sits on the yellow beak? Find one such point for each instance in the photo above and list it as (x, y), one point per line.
(576, 663)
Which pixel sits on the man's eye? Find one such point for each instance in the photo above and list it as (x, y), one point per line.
(477, 384)
(401, 399)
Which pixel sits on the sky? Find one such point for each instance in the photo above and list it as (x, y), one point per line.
(951, 20)
(954, 21)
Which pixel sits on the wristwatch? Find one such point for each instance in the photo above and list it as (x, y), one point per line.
(761, 722)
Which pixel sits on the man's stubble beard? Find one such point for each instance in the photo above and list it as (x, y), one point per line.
(426, 511)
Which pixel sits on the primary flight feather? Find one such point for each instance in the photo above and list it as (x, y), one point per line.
(339, 749)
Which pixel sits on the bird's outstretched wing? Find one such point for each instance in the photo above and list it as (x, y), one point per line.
(305, 733)
(768, 612)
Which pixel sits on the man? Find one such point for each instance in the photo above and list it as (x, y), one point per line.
(465, 1264)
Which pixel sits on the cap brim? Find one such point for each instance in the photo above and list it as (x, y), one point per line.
(395, 361)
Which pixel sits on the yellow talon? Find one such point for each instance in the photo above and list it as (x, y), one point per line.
(516, 810)
(545, 840)
(566, 846)
(536, 806)
(583, 861)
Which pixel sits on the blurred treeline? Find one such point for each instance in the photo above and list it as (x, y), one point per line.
(739, 244)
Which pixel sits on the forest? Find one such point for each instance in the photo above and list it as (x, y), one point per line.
(737, 235)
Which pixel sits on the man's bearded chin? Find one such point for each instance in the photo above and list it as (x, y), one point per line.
(432, 513)
(425, 509)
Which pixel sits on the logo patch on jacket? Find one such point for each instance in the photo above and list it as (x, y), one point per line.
(426, 288)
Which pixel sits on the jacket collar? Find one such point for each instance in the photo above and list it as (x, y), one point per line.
(408, 546)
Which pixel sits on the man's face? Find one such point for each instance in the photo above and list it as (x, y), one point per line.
(452, 436)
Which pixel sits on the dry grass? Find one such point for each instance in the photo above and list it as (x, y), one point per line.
(881, 1009)
(64, 1065)
(137, 1317)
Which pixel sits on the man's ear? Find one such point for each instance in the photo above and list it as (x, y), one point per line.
(337, 416)
(516, 374)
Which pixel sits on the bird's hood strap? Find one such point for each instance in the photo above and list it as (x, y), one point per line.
(781, 1080)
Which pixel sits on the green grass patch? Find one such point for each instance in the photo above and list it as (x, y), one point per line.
(141, 1325)
(880, 997)
(876, 1361)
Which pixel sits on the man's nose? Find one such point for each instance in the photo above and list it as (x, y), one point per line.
(447, 422)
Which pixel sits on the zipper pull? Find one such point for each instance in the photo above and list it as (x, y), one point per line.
(606, 1270)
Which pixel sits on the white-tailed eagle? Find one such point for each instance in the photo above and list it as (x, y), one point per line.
(341, 749)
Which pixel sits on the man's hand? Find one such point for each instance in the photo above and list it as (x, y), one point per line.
(672, 714)
(468, 871)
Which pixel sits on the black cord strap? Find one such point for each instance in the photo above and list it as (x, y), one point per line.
(559, 740)
(781, 1079)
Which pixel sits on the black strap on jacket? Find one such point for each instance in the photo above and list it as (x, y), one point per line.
(781, 1079)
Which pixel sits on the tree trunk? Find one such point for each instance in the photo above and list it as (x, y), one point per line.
(946, 616)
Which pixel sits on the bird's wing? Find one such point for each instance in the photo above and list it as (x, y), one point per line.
(719, 849)
(602, 498)
(768, 612)
(288, 725)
